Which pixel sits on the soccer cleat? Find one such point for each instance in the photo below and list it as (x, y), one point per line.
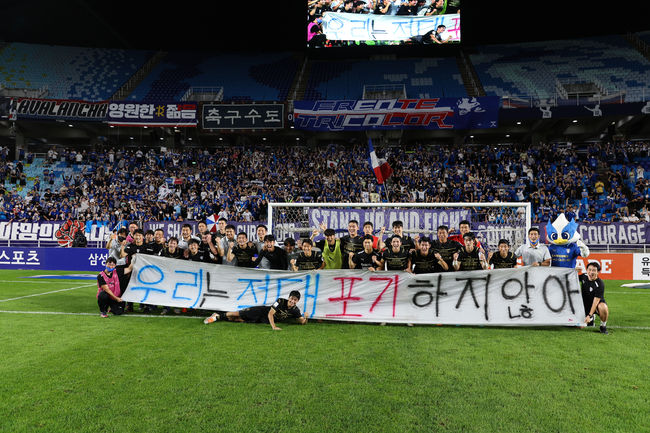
(591, 322)
(104, 315)
(603, 329)
(212, 318)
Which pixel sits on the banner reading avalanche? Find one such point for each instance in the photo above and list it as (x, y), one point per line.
(367, 27)
(367, 114)
(59, 109)
(528, 296)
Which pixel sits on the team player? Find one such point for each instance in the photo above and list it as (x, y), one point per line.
(464, 228)
(244, 253)
(276, 256)
(368, 259)
(377, 241)
(281, 310)
(445, 246)
(331, 249)
(425, 260)
(351, 243)
(308, 260)
(503, 258)
(172, 250)
(408, 244)
(592, 289)
(195, 254)
(396, 258)
(469, 258)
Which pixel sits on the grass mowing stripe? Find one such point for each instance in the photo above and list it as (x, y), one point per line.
(46, 293)
(63, 313)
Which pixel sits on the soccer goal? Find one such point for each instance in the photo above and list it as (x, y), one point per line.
(489, 221)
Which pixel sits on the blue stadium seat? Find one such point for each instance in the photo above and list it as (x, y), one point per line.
(422, 78)
(261, 77)
(90, 74)
(534, 68)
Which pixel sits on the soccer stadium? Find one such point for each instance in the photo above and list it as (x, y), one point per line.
(443, 216)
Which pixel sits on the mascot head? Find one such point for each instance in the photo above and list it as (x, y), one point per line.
(562, 231)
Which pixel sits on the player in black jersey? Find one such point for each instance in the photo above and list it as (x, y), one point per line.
(445, 246)
(351, 243)
(281, 310)
(172, 251)
(425, 260)
(396, 258)
(138, 246)
(503, 258)
(368, 259)
(469, 258)
(245, 252)
(592, 289)
(308, 260)
(408, 244)
(276, 256)
(195, 254)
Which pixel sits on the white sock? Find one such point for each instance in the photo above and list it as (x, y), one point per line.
(603, 323)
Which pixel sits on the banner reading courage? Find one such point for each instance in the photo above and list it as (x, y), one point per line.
(527, 296)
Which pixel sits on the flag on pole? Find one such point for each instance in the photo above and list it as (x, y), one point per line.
(379, 165)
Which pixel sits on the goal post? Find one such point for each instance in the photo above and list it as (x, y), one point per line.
(489, 221)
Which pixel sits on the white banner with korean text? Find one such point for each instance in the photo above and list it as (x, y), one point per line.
(526, 296)
(369, 27)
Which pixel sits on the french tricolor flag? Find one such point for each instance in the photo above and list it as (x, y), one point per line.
(379, 165)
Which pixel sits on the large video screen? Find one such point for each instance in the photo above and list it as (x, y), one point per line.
(343, 23)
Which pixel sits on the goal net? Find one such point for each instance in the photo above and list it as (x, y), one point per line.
(489, 221)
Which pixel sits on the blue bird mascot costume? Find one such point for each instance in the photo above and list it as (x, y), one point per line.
(565, 242)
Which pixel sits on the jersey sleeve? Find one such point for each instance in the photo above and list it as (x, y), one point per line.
(599, 289)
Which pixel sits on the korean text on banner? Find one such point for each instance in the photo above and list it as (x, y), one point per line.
(359, 27)
(527, 296)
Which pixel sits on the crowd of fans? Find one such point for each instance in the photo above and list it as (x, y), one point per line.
(603, 182)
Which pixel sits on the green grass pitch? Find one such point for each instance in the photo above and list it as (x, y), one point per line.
(65, 369)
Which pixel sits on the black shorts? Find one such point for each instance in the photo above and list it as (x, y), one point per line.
(587, 308)
(258, 314)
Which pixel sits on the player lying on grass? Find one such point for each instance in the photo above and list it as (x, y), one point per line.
(281, 310)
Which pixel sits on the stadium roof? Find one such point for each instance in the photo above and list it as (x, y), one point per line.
(278, 25)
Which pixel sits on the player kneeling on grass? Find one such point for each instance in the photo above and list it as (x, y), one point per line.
(281, 310)
(108, 288)
(593, 296)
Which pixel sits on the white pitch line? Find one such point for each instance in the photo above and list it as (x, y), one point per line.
(63, 313)
(46, 293)
(35, 281)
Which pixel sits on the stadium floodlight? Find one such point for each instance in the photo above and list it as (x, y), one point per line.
(489, 221)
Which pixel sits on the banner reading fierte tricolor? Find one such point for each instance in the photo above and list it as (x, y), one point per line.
(527, 296)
